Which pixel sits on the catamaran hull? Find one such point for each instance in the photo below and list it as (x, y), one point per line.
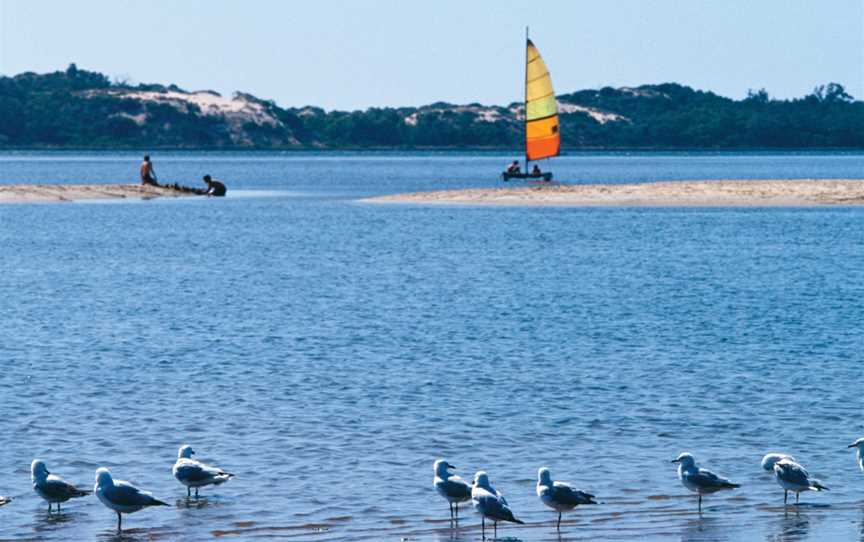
(543, 176)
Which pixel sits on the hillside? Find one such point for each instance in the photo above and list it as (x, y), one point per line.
(81, 109)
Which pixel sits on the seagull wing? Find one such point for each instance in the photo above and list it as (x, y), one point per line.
(492, 506)
(565, 494)
(58, 489)
(195, 471)
(792, 473)
(707, 479)
(125, 494)
(456, 487)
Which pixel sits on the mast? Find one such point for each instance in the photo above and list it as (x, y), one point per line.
(525, 102)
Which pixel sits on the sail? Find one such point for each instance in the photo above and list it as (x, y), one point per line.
(542, 138)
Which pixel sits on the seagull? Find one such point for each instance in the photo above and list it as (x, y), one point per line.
(5, 500)
(122, 497)
(698, 480)
(793, 477)
(769, 460)
(192, 473)
(490, 503)
(860, 445)
(450, 486)
(558, 495)
(52, 488)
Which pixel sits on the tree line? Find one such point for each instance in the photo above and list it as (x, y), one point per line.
(81, 109)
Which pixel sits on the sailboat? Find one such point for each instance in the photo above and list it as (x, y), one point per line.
(542, 136)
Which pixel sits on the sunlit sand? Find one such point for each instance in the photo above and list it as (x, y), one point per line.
(34, 193)
(719, 193)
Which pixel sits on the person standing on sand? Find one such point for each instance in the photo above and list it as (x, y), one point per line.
(214, 188)
(148, 175)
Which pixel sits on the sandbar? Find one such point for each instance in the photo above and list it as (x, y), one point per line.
(46, 193)
(713, 193)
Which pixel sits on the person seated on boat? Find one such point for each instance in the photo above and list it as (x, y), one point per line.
(148, 175)
(536, 171)
(514, 167)
(214, 187)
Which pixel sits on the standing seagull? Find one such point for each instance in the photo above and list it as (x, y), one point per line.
(770, 459)
(698, 480)
(192, 473)
(860, 452)
(52, 488)
(122, 497)
(558, 495)
(793, 477)
(490, 503)
(450, 486)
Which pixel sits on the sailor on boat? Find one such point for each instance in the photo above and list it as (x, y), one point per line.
(214, 187)
(536, 171)
(514, 167)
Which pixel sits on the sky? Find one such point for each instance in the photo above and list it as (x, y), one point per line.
(342, 54)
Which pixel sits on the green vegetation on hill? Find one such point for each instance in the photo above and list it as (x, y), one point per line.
(81, 109)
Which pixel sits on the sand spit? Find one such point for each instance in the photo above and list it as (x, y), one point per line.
(43, 193)
(719, 193)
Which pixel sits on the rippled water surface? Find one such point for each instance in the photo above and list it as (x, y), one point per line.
(326, 351)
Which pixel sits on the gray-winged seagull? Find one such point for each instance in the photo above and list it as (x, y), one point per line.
(51, 487)
(700, 481)
(450, 486)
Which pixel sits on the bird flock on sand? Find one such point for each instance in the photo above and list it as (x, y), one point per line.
(490, 504)
(119, 495)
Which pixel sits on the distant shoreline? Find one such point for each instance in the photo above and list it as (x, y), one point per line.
(56, 193)
(713, 193)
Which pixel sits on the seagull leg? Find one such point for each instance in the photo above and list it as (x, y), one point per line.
(495, 530)
(188, 492)
(559, 520)
(119, 522)
(49, 507)
(483, 527)
(700, 503)
(785, 496)
(797, 494)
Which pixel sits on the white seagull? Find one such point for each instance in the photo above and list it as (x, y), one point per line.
(700, 481)
(122, 497)
(5, 500)
(52, 488)
(192, 473)
(770, 459)
(793, 477)
(450, 486)
(859, 444)
(558, 495)
(490, 503)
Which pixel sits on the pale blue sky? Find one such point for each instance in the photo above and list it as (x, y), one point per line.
(354, 54)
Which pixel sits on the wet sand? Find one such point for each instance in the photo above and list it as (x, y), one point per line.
(43, 193)
(715, 193)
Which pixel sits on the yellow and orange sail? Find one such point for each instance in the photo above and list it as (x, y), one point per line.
(542, 137)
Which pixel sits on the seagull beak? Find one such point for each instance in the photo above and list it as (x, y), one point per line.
(853, 445)
(449, 466)
(675, 461)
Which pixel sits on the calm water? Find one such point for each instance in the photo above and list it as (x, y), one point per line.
(327, 351)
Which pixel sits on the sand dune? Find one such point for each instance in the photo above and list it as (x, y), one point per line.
(30, 193)
(719, 193)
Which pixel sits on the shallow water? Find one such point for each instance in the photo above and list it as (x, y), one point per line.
(327, 351)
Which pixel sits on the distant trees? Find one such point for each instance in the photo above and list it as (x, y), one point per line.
(79, 108)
